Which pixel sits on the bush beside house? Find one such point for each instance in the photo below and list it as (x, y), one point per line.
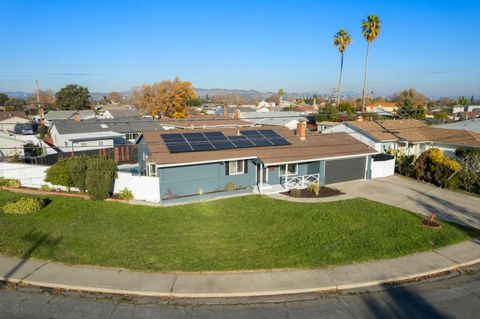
(94, 174)
(434, 167)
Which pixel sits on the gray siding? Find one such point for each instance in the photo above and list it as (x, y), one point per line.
(343, 170)
(142, 149)
(204, 178)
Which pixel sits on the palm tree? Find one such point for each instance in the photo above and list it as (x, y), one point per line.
(371, 30)
(342, 39)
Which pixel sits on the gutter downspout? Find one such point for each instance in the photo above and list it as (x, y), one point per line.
(260, 184)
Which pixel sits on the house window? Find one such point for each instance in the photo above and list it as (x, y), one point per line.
(236, 167)
(292, 169)
(131, 136)
(100, 143)
(152, 169)
(83, 144)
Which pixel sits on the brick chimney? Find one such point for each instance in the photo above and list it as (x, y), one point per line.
(301, 128)
(225, 110)
(77, 118)
(270, 107)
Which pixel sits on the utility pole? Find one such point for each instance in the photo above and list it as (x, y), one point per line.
(40, 108)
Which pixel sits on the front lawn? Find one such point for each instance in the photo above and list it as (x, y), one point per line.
(249, 232)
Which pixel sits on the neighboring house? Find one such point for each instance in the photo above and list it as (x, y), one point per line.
(473, 108)
(120, 113)
(14, 144)
(232, 109)
(463, 116)
(10, 119)
(286, 119)
(305, 109)
(98, 134)
(238, 159)
(264, 106)
(386, 106)
(382, 112)
(322, 126)
(470, 125)
(202, 121)
(52, 116)
(410, 137)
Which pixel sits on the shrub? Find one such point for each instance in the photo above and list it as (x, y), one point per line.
(314, 188)
(46, 188)
(25, 205)
(59, 174)
(125, 194)
(100, 177)
(296, 192)
(10, 182)
(404, 165)
(78, 168)
(434, 167)
(230, 186)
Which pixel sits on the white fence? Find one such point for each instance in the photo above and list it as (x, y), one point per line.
(302, 181)
(143, 187)
(383, 168)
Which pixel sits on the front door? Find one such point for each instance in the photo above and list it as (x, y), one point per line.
(264, 174)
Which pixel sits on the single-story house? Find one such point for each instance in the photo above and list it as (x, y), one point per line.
(470, 125)
(255, 159)
(52, 116)
(14, 144)
(202, 121)
(286, 119)
(120, 113)
(10, 119)
(386, 106)
(410, 137)
(97, 134)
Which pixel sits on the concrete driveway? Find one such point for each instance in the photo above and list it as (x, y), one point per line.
(418, 197)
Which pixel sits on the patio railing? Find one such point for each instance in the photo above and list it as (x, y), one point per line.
(302, 181)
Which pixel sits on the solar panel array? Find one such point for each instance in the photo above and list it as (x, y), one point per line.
(211, 141)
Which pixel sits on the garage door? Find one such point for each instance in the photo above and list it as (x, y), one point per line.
(344, 170)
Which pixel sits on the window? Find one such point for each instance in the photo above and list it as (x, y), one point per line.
(131, 136)
(103, 125)
(100, 143)
(236, 167)
(83, 144)
(292, 169)
(152, 168)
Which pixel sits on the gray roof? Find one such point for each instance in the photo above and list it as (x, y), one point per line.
(125, 125)
(469, 125)
(65, 115)
(124, 113)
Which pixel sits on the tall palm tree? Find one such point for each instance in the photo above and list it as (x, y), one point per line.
(342, 39)
(371, 30)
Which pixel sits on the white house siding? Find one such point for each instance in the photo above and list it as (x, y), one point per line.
(8, 125)
(10, 146)
(342, 128)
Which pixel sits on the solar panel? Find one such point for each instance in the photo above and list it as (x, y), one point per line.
(179, 148)
(269, 133)
(279, 141)
(261, 142)
(194, 137)
(202, 146)
(241, 141)
(210, 141)
(222, 145)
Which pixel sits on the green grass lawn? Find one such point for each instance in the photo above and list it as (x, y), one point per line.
(249, 232)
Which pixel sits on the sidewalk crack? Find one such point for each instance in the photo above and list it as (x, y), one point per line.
(454, 261)
(30, 273)
(173, 284)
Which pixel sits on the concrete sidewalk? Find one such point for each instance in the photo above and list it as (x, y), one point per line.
(238, 284)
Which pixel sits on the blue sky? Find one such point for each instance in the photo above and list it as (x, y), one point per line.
(264, 45)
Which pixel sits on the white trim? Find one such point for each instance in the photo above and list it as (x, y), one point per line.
(236, 163)
(321, 159)
(206, 162)
(286, 170)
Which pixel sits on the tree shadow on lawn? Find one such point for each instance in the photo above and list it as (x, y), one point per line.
(449, 211)
(38, 239)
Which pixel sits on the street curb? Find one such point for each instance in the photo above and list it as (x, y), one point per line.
(324, 289)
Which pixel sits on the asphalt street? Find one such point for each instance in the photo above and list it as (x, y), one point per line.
(455, 295)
